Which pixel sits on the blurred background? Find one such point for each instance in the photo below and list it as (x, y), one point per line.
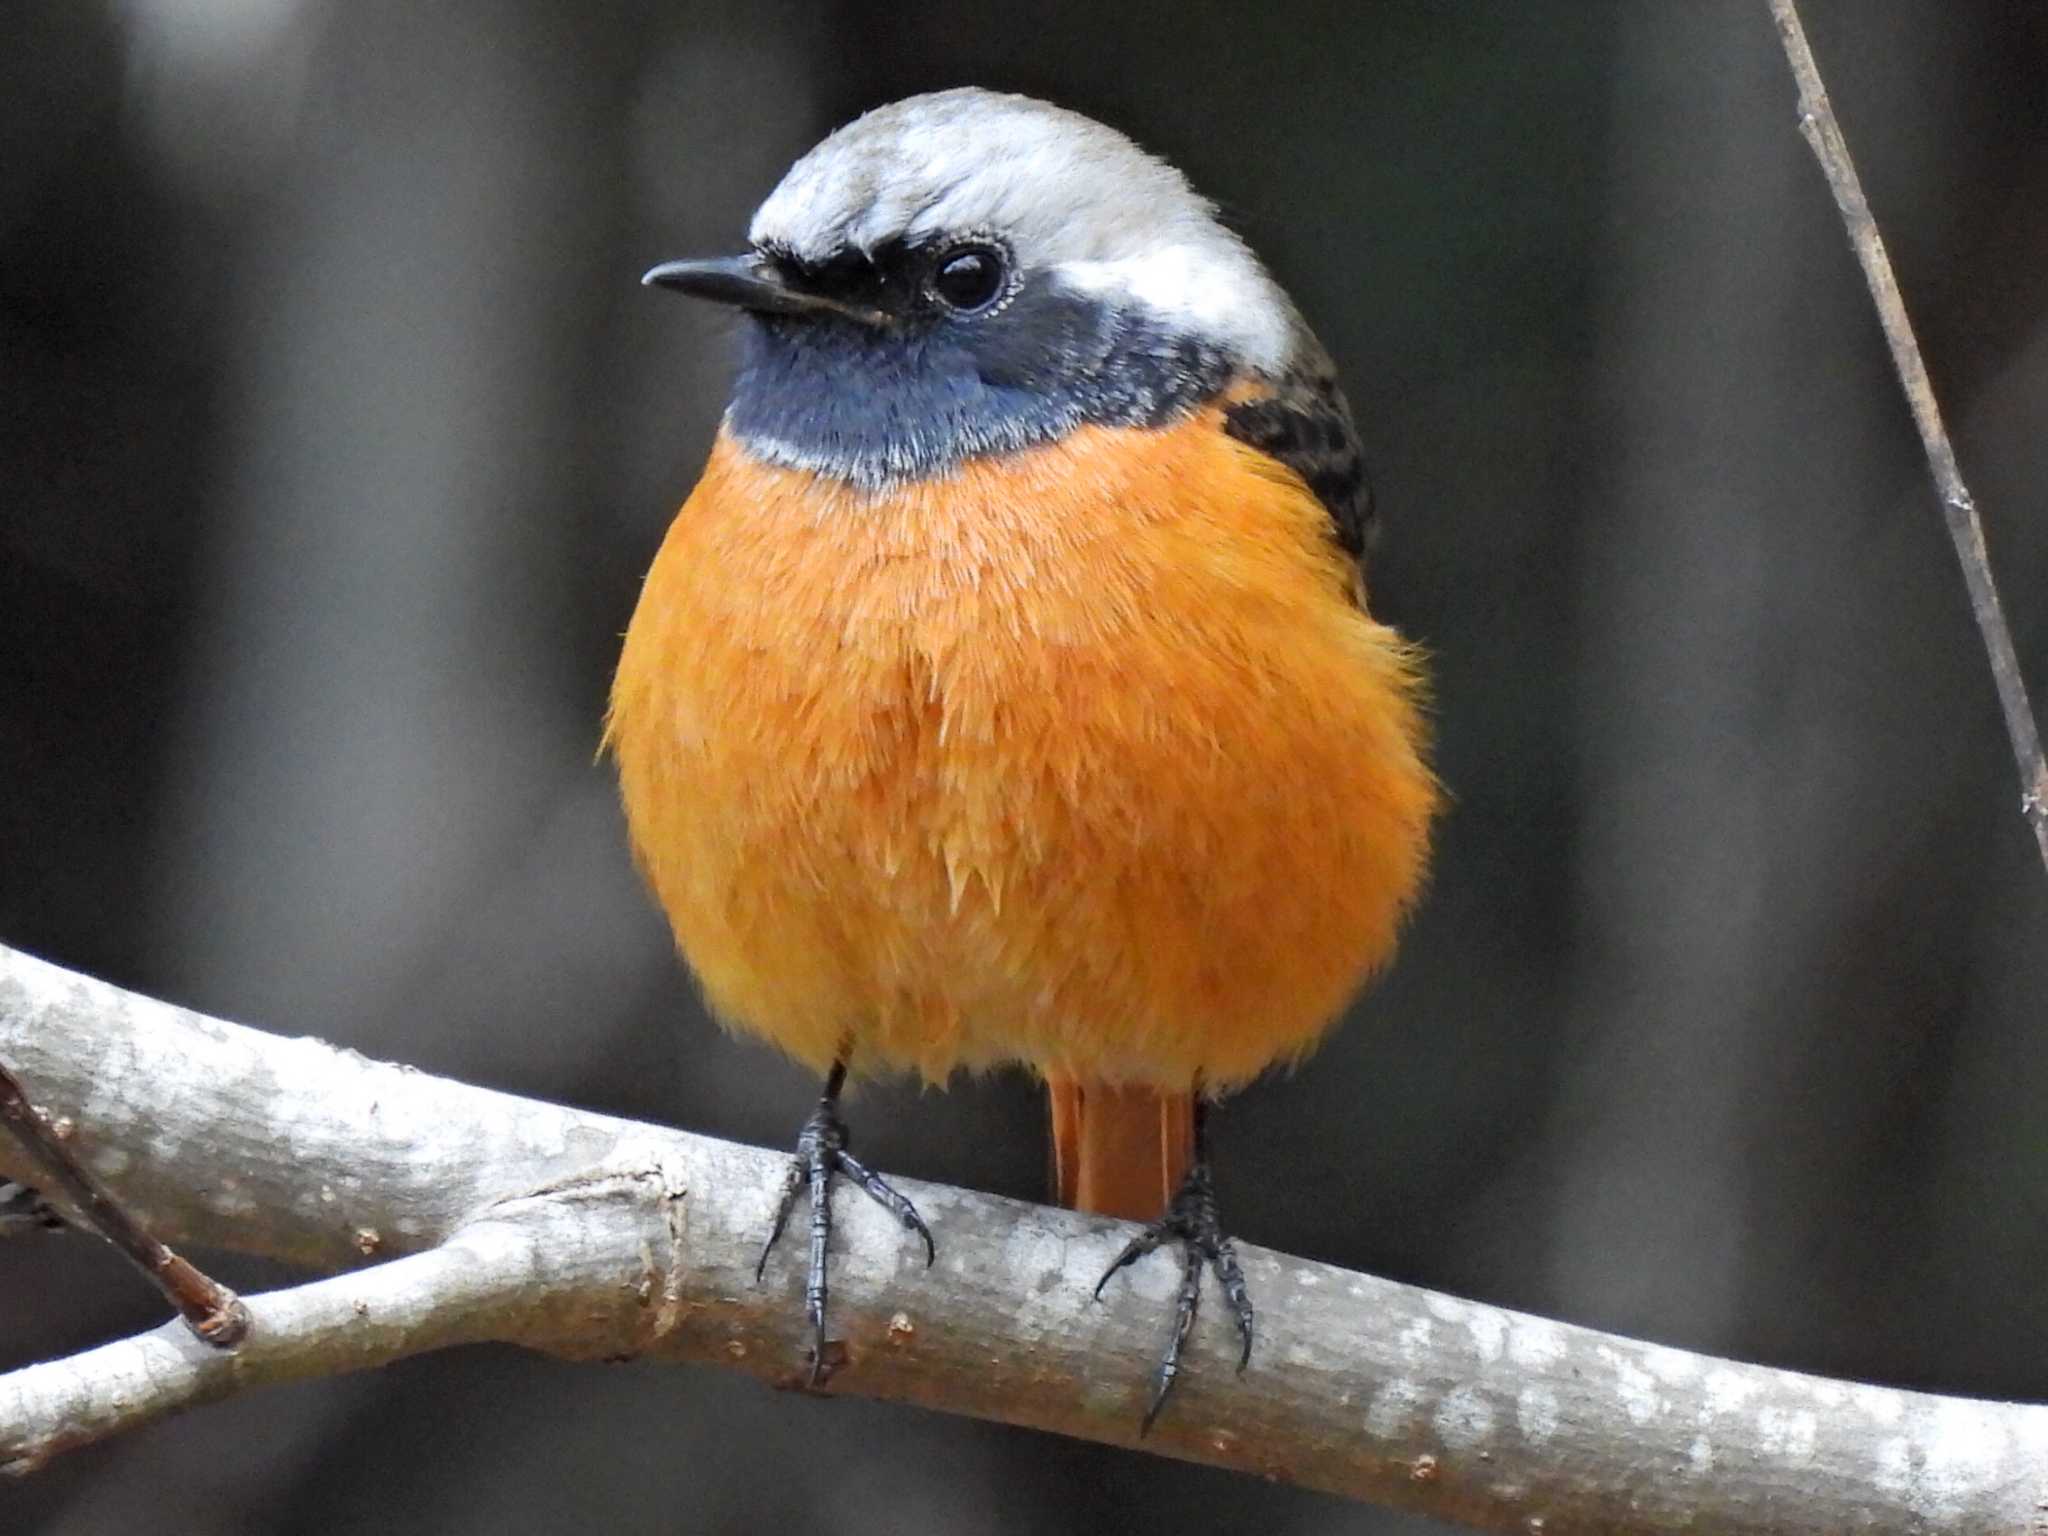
(336, 431)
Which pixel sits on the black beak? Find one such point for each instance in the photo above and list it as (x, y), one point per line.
(749, 282)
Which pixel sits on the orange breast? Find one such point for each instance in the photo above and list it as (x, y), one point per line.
(1083, 757)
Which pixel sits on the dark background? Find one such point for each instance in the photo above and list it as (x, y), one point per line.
(335, 433)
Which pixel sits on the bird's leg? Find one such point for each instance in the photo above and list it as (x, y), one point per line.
(1191, 1221)
(821, 1151)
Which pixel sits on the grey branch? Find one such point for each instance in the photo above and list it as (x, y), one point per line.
(448, 1214)
(1965, 530)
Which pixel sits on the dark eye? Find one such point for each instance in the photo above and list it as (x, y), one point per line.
(970, 278)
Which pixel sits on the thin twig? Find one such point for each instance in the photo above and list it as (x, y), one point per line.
(210, 1309)
(522, 1222)
(1818, 125)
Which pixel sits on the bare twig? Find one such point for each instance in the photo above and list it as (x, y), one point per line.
(209, 1309)
(1818, 125)
(513, 1220)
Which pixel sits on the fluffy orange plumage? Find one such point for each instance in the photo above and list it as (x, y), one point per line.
(1084, 756)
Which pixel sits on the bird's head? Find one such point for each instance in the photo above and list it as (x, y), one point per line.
(969, 273)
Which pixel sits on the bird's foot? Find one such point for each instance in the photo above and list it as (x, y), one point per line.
(822, 1150)
(1190, 1221)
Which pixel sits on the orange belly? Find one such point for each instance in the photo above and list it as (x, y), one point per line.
(1083, 757)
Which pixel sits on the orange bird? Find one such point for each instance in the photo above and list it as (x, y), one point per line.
(1005, 690)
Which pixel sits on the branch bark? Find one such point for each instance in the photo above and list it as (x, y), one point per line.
(1823, 135)
(210, 1309)
(507, 1219)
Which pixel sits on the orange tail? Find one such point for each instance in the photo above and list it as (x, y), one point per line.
(1119, 1151)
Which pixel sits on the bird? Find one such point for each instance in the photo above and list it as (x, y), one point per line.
(1005, 691)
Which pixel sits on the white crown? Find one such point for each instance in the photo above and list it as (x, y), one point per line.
(1070, 197)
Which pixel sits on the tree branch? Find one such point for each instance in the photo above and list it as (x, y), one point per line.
(1823, 134)
(512, 1220)
(210, 1309)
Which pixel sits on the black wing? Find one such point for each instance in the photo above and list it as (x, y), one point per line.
(1305, 423)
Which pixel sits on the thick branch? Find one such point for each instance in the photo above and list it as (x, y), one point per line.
(1965, 530)
(513, 1220)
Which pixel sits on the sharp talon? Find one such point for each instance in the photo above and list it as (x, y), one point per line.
(1191, 1224)
(791, 1181)
(821, 1152)
(1223, 1259)
(1134, 1250)
(1152, 1413)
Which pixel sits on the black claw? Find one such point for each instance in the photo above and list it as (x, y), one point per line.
(1134, 1250)
(821, 1151)
(791, 1183)
(1191, 1221)
(879, 1191)
(1231, 1277)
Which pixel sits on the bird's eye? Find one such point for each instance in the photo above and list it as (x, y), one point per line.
(970, 278)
